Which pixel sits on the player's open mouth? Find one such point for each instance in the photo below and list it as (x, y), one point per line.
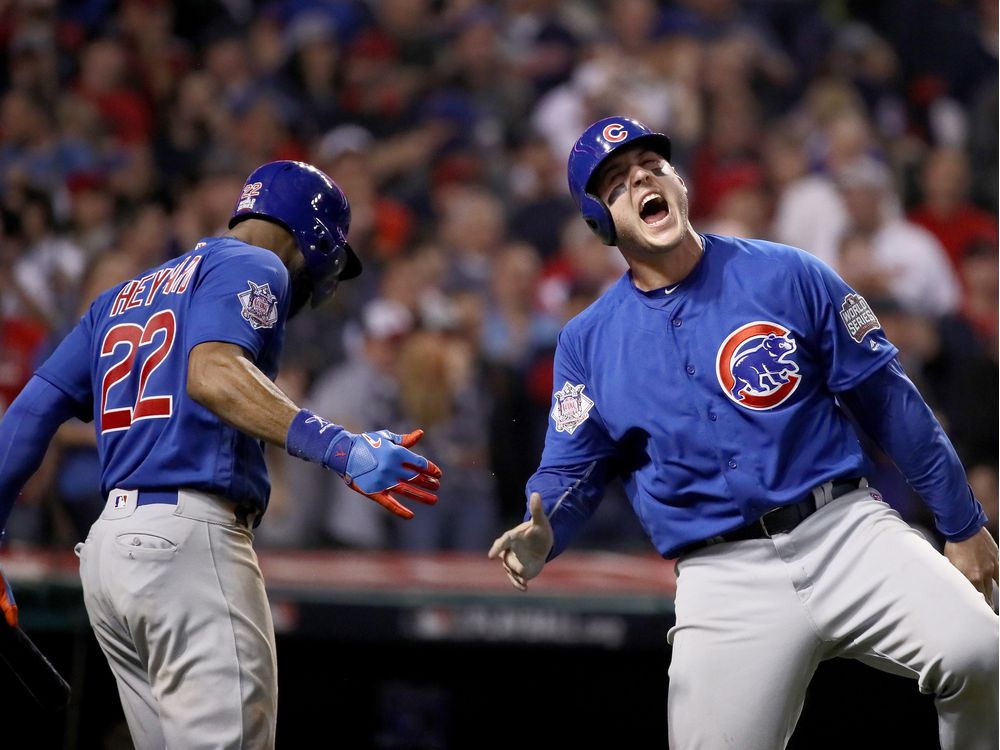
(653, 209)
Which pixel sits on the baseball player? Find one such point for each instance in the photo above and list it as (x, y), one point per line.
(175, 367)
(714, 378)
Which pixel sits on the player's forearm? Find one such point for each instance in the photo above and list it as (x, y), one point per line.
(25, 433)
(891, 410)
(569, 497)
(229, 385)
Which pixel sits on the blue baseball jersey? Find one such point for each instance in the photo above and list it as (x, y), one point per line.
(126, 361)
(714, 399)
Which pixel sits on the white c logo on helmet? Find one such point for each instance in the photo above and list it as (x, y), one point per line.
(614, 133)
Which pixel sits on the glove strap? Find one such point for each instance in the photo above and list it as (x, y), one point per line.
(312, 438)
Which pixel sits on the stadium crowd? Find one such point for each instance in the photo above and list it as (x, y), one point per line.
(845, 128)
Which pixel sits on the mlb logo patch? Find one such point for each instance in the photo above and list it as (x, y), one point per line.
(120, 501)
(260, 306)
(572, 407)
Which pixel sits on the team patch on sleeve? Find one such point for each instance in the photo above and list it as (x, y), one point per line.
(571, 408)
(260, 306)
(858, 317)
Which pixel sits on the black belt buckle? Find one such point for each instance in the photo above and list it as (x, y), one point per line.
(763, 525)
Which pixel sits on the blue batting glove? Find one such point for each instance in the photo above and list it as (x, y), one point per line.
(380, 464)
(375, 464)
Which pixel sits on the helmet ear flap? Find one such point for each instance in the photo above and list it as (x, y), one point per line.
(326, 259)
(598, 218)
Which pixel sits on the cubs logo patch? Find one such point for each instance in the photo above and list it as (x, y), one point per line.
(572, 407)
(249, 196)
(614, 133)
(754, 366)
(858, 317)
(260, 306)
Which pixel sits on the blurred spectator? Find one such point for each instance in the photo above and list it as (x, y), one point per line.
(471, 228)
(92, 212)
(915, 265)
(538, 43)
(31, 149)
(362, 391)
(518, 339)
(807, 207)
(146, 241)
(983, 148)
(946, 210)
(538, 198)
(21, 335)
(978, 273)
(311, 71)
(584, 268)
(381, 227)
(727, 159)
(48, 269)
(204, 207)
(868, 61)
(157, 57)
(106, 80)
(619, 72)
(187, 131)
(451, 402)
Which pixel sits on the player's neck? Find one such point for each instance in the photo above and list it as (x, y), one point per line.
(268, 235)
(651, 271)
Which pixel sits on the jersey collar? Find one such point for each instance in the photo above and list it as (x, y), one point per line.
(665, 296)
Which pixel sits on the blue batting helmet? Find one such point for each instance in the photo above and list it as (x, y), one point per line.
(303, 200)
(598, 142)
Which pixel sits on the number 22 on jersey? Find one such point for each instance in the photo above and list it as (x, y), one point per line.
(131, 342)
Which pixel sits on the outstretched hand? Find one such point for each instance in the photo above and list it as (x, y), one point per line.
(524, 548)
(381, 465)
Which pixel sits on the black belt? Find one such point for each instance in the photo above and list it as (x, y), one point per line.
(780, 520)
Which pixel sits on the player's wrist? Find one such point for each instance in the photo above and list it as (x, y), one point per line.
(320, 441)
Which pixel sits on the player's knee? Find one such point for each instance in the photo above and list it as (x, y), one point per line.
(972, 662)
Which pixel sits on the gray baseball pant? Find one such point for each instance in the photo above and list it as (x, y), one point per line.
(755, 618)
(176, 599)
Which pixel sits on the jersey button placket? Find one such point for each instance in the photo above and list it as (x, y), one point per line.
(732, 464)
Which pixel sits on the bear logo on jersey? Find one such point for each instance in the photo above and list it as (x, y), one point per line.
(260, 306)
(572, 407)
(754, 368)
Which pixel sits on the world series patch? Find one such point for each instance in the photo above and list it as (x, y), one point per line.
(572, 407)
(260, 306)
(858, 317)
